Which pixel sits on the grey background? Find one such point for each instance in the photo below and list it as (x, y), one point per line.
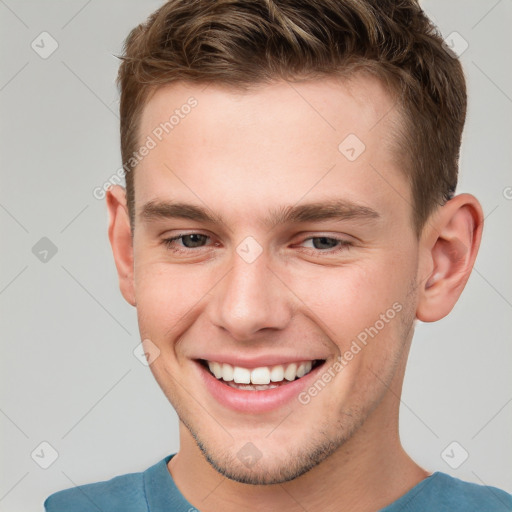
(68, 373)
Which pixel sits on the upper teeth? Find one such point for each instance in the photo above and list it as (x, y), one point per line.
(261, 375)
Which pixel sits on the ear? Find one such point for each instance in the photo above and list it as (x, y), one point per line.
(120, 236)
(448, 248)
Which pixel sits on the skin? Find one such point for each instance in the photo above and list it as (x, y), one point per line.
(241, 155)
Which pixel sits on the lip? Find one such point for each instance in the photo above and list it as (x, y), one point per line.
(255, 402)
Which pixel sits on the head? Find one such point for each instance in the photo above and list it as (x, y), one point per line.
(309, 170)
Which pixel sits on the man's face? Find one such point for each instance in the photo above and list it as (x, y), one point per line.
(263, 287)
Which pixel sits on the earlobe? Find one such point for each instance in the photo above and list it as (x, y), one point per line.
(450, 248)
(120, 236)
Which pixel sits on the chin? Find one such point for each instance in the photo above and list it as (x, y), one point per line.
(270, 465)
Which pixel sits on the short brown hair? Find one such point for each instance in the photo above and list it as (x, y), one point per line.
(246, 42)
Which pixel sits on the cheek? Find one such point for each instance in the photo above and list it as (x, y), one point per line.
(167, 295)
(365, 311)
(346, 300)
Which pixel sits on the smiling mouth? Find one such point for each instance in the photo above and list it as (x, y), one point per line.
(261, 378)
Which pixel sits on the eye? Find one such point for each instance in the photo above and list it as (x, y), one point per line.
(188, 241)
(327, 244)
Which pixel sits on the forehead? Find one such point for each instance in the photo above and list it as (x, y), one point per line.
(273, 143)
(358, 103)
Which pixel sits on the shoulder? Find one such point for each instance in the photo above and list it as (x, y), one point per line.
(447, 493)
(123, 493)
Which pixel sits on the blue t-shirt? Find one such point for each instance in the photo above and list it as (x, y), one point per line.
(154, 490)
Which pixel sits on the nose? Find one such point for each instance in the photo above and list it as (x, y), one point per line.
(250, 299)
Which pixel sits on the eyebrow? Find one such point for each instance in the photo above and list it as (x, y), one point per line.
(334, 209)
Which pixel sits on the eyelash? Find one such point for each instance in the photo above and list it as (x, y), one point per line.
(343, 244)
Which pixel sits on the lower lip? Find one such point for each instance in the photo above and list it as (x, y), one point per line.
(246, 401)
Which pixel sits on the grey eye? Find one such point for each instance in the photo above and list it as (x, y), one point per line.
(323, 242)
(193, 240)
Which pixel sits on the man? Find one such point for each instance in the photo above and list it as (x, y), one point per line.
(289, 213)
